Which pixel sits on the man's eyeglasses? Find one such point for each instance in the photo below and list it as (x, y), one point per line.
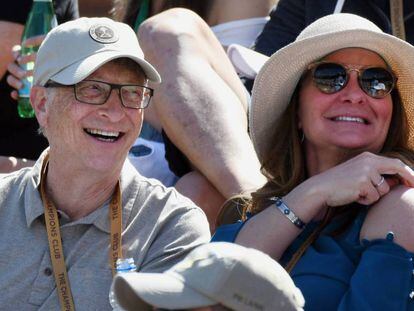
(97, 93)
(329, 78)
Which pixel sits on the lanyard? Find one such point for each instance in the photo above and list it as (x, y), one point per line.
(55, 240)
(397, 18)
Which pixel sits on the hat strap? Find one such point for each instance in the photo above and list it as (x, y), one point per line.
(397, 18)
(339, 6)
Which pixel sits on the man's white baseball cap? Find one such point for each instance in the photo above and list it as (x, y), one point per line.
(75, 49)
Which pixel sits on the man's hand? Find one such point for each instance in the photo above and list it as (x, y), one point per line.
(16, 73)
(10, 36)
(10, 164)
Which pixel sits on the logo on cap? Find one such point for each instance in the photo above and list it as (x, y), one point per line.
(103, 34)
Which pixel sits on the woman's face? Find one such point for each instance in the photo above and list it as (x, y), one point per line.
(349, 119)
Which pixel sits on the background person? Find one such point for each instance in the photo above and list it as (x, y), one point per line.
(205, 121)
(215, 276)
(290, 17)
(322, 127)
(20, 142)
(80, 207)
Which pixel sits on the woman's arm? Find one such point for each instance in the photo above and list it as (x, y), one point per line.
(393, 213)
(383, 279)
(352, 181)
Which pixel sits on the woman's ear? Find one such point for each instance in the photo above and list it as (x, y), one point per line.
(38, 99)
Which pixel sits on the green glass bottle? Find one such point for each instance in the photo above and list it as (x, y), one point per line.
(41, 19)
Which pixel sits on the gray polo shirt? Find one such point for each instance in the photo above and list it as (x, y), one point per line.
(159, 228)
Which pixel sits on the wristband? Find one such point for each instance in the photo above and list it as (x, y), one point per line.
(281, 206)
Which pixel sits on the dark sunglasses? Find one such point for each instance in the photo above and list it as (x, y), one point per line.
(329, 78)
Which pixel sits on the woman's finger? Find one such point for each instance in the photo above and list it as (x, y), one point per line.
(392, 166)
(368, 195)
(405, 175)
(382, 186)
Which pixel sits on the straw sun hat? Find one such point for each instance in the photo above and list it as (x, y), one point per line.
(277, 79)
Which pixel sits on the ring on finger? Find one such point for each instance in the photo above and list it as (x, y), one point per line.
(380, 182)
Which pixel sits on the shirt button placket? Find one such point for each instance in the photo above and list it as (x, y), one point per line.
(48, 271)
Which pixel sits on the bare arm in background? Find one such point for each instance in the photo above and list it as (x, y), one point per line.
(202, 104)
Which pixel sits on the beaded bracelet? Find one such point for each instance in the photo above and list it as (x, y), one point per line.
(281, 206)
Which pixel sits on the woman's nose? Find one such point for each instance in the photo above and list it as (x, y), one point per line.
(352, 92)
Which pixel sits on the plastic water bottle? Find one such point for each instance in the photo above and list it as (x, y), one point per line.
(123, 265)
(41, 20)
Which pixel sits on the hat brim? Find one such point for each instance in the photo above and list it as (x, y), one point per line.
(140, 291)
(81, 69)
(247, 62)
(278, 78)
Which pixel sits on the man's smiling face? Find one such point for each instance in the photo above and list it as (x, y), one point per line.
(97, 137)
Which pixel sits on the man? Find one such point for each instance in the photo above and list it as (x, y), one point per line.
(61, 220)
(213, 277)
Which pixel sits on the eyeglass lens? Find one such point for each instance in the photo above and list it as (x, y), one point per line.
(97, 93)
(330, 78)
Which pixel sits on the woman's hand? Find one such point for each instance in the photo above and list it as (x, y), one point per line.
(363, 179)
(16, 72)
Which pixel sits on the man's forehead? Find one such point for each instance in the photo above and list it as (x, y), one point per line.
(119, 69)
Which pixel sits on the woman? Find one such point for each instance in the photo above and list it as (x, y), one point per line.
(326, 111)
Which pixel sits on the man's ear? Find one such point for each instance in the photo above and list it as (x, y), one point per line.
(38, 99)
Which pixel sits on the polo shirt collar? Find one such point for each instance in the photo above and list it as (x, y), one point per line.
(100, 218)
(32, 201)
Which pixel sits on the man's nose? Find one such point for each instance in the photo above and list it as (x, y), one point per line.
(113, 108)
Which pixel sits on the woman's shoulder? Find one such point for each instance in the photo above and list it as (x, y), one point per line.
(394, 212)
